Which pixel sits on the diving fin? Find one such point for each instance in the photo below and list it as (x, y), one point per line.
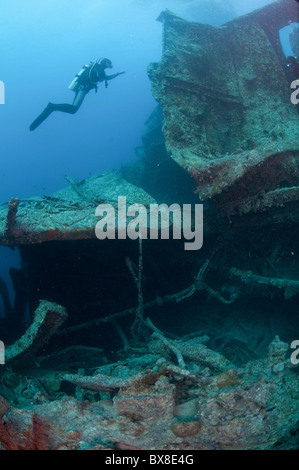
(46, 113)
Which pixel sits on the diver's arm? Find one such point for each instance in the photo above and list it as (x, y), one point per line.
(110, 77)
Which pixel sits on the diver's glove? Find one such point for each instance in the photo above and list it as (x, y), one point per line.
(121, 73)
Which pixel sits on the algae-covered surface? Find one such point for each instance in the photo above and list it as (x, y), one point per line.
(68, 214)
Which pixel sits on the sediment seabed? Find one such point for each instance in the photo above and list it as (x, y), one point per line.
(197, 398)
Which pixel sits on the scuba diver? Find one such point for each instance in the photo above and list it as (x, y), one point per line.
(86, 80)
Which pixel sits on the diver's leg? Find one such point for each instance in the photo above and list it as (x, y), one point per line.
(71, 108)
(65, 108)
(79, 97)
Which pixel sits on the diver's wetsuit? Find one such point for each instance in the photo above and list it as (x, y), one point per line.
(86, 84)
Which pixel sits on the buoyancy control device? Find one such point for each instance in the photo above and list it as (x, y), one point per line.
(83, 78)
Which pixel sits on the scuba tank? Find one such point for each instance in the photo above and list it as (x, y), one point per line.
(74, 85)
(83, 77)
